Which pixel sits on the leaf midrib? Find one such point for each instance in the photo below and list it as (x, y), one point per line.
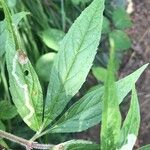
(77, 51)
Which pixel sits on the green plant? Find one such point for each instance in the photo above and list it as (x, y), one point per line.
(116, 21)
(71, 66)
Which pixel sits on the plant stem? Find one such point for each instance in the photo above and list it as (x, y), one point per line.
(38, 135)
(26, 143)
(14, 138)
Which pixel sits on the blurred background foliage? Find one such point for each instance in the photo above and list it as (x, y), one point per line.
(44, 24)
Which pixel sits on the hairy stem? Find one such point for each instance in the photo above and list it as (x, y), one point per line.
(26, 143)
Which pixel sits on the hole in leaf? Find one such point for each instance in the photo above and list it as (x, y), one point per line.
(26, 72)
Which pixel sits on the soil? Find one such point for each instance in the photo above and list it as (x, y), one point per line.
(136, 57)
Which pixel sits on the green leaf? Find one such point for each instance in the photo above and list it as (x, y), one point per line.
(52, 37)
(11, 3)
(146, 147)
(25, 87)
(99, 73)
(77, 2)
(2, 126)
(3, 37)
(106, 26)
(83, 114)
(44, 65)
(131, 124)
(121, 40)
(117, 3)
(121, 19)
(16, 18)
(3, 144)
(77, 145)
(111, 117)
(87, 112)
(2, 26)
(74, 60)
(24, 84)
(8, 111)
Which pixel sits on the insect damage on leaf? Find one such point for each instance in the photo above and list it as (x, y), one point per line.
(21, 58)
